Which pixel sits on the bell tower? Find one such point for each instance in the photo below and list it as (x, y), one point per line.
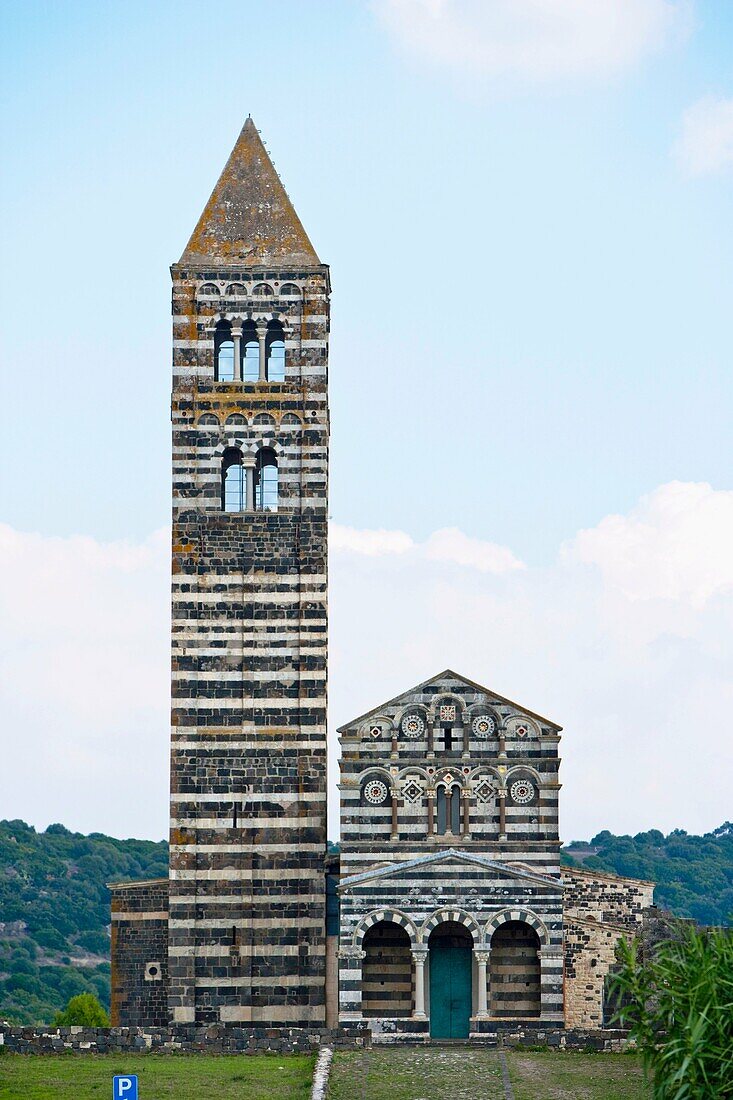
(249, 608)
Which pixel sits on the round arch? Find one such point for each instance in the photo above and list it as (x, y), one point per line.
(458, 916)
(393, 916)
(446, 696)
(524, 915)
(524, 768)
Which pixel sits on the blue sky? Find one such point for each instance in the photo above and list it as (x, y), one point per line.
(528, 228)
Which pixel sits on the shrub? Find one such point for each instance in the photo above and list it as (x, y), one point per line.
(678, 1007)
(83, 1010)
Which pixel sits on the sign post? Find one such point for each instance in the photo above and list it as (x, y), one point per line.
(125, 1088)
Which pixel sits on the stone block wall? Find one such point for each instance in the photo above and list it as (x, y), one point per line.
(599, 910)
(139, 953)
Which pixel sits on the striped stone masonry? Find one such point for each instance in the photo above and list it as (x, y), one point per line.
(449, 821)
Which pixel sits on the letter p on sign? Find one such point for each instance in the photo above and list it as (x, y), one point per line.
(124, 1088)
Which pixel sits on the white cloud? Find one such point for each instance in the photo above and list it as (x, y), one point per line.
(83, 681)
(533, 39)
(676, 545)
(370, 542)
(705, 144)
(625, 639)
(451, 545)
(447, 545)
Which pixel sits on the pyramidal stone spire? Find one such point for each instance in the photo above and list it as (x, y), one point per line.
(249, 220)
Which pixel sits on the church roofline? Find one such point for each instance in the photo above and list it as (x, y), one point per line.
(448, 853)
(457, 676)
(249, 221)
(605, 874)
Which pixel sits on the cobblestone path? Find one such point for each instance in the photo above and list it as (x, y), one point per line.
(470, 1073)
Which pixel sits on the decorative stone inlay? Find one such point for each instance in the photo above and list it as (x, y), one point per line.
(413, 726)
(375, 792)
(522, 791)
(412, 791)
(484, 790)
(484, 725)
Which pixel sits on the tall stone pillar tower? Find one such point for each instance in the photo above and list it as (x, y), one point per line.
(250, 484)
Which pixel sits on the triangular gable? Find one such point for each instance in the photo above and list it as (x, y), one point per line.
(405, 695)
(249, 220)
(469, 858)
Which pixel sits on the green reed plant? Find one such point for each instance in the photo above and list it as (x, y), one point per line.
(678, 1006)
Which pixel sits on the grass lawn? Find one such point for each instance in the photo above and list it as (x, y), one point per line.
(574, 1076)
(465, 1073)
(161, 1076)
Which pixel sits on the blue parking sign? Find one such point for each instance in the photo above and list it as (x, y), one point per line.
(125, 1088)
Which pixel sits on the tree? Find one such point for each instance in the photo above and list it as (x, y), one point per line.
(678, 1006)
(84, 1010)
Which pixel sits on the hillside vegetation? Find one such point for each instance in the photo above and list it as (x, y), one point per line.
(54, 913)
(54, 902)
(694, 874)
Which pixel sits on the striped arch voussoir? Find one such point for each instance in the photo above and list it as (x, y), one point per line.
(391, 915)
(456, 915)
(519, 914)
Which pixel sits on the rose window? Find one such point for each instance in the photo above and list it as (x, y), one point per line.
(413, 726)
(375, 792)
(448, 713)
(484, 725)
(522, 791)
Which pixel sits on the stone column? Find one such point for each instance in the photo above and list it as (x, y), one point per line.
(262, 337)
(449, 811)
(431, 737)
(419, 955)
(237, 339)
(249, 472)
(501, 795)
(481, 956)
(394, 791)
(466, 735)
(350, 960)
(466, 830)
(551, 984)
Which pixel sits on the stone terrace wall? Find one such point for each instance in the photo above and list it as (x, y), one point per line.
(215, 1039)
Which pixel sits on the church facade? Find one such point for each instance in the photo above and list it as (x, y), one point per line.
(452, 912)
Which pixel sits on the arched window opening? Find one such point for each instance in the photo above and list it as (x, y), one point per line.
(515, 971)
(386, 975)
(262, 290)
(224, 352)
(250, 352)
(233, 481)
(275, 352)
(449, 810)
(266, 481)
(289, 290)
(209, 290)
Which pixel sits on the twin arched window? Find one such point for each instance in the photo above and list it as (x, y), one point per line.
(254, 356)
(248, 488)
(448, 804)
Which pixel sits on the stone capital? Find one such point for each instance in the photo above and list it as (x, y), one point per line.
(419, 953)
(481, 954)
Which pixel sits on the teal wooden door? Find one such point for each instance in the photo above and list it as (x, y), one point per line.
(450, 992)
